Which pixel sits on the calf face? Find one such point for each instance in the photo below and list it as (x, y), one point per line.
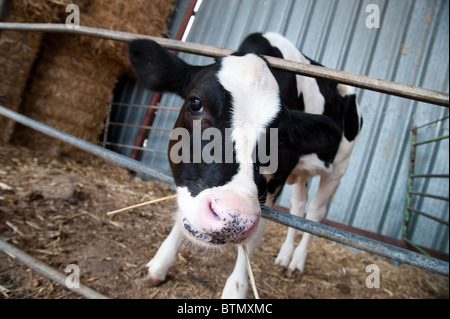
(241, 103)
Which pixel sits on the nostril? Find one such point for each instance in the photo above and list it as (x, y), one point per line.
(213, 212)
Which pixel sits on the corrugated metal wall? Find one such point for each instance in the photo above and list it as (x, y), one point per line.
(411, 47)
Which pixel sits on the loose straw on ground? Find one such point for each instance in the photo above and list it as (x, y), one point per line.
(250, 272)
(141, 204)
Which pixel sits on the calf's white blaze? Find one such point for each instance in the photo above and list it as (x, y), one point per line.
(255, 103)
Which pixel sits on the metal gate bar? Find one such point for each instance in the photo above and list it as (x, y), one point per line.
(365, 82)
(47, 271)
(314, 228)
(99, 151)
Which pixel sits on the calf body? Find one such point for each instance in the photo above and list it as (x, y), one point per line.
(244, 104)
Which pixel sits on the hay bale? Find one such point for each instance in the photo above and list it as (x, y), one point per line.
(75, 76)
(135, 16)
(38, 11)
(18, 51)
(70, 91)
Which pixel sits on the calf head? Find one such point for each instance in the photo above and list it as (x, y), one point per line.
(237, 102)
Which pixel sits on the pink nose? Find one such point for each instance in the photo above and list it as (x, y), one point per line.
(227, 218)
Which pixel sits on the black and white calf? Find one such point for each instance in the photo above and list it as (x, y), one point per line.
(316, 122)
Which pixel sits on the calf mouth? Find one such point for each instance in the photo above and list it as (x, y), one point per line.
(236, 231)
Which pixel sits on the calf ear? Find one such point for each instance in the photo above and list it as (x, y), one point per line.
(158, 69)
(311, 133)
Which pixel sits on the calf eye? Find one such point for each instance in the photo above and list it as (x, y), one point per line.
(195, 105)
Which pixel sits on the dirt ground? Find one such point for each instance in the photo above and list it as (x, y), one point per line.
(54, 208)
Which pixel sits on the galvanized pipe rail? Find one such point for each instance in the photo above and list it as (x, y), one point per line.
(357, 80)
(47, 271)
(99, 151)
(314, 228)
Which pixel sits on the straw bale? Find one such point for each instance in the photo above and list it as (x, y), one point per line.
(17, 54)
(58, 111)
(43, 11)
(70, 98)
(40, 141)
(14, 44)
(70, 90)
(74, 78)
(135, 16)
(38, 11)
(18, 51)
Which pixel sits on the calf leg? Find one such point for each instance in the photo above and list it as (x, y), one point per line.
(298, 205)
(317, 210)
(236, 286)
(164, 258)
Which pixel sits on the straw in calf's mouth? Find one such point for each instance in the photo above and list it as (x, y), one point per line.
(250, 272)
(141, 204)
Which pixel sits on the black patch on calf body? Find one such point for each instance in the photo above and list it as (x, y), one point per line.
(258, 44)
(342, 109)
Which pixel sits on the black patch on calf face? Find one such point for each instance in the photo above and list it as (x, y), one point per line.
(217, 110)
(200, 176)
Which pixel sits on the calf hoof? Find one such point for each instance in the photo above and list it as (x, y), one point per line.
(284, 256)
(148, 281)
(282, 261)
(294, 274)
(234, 289)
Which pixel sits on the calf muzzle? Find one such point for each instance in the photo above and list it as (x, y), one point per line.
(228, 218)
